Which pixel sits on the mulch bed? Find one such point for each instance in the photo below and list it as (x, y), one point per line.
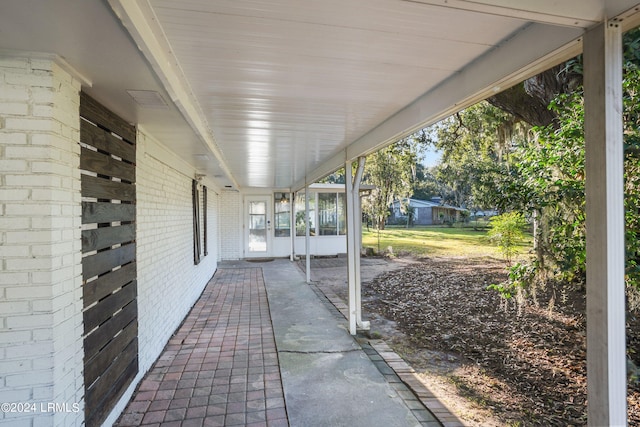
(532, 355)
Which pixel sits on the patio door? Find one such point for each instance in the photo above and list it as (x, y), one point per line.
(257, 226)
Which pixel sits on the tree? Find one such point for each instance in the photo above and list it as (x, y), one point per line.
(507, 233)
(392, 171)
(539, 170)
(476, 144)
(426, 185)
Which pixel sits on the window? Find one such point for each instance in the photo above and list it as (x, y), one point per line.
(327, 214)
(300, 208)
(342, 214)
(331, 214)
(282, 223)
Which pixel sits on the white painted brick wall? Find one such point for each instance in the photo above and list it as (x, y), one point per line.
(40, 218)
(168, 281)
(230, 225)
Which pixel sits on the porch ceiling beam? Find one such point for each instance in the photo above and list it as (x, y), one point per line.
(515, 60)
(139, 20)
(566, 13)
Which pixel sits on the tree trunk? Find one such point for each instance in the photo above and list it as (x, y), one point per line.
(530, 99)
(525, 107)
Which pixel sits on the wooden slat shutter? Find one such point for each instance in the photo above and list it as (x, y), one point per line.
(107, 159)
(196, 221)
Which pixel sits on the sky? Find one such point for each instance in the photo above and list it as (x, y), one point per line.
(431, 157)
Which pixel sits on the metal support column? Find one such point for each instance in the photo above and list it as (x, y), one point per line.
(354, 229)
(606, 364)
(307, 234)
(357, 225)
(292, 227)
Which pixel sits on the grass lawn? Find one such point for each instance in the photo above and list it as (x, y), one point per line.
(436, 241)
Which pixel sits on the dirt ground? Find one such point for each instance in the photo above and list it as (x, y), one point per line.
(490, 364)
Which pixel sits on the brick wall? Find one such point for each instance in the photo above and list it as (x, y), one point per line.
(41, 327)
(230, 225)
(40, 262)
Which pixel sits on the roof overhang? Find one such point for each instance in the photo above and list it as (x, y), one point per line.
(277, 94)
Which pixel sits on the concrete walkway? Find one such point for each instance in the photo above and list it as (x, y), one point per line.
(260, 348)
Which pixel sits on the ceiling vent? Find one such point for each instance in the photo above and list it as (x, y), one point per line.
(148, 98)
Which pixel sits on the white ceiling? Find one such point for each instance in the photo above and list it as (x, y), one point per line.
(277, 93)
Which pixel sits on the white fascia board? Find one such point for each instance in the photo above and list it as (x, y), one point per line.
(333, 164)
(534, 49)
(142, 24)
(575, 13)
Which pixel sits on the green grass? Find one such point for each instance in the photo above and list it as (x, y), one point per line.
(436, 241)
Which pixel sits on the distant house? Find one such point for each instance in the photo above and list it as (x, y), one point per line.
(426, 212)
(486, 213)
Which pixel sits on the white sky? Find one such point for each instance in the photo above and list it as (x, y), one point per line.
(431, 157)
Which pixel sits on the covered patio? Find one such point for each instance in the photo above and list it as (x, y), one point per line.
(143, 143)
(260, 348)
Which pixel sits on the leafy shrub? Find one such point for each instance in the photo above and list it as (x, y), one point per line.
(507, 232)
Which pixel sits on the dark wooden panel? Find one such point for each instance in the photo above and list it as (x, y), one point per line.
(106, 237)
(195, 198)
(100, 399)
(107, 283)
(204, 218)
(103, 262)
(97, 314)
(99, 337)
(101, 188)
(95, 112)
(103, 140)
(98, 364)
(104, 164)
(101, 212)
(111, 349)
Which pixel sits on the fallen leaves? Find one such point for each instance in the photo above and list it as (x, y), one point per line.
(532, 359)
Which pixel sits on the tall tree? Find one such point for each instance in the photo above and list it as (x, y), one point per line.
(476, 144)
(426, 185)
(392, 171)
(543, 174)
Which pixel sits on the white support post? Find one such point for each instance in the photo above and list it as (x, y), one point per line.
(351, 248)
(292, 226)
(307, 233)
(354, 229)
(606, 363)
(357, 226)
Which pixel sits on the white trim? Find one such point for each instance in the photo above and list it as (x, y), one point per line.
(587, 15)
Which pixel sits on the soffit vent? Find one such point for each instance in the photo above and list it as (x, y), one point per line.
(148, 98)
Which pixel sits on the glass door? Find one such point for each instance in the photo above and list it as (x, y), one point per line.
(258, 226)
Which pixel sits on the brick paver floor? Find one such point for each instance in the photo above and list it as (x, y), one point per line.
(221, 367)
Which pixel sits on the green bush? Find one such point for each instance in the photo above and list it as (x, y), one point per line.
(507, 231)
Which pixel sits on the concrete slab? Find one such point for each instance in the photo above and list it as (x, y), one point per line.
(327, 378)
(302, 322)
